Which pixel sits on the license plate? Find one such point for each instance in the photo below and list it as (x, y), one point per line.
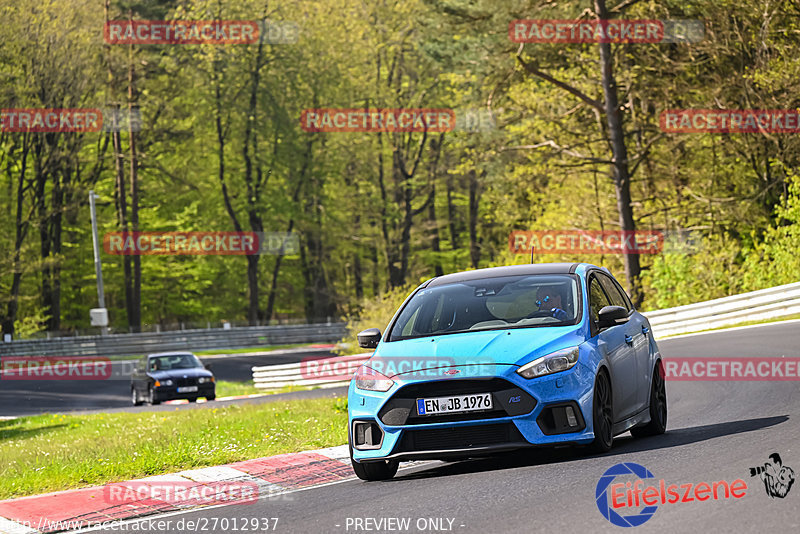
(187, 389)
(476, 402)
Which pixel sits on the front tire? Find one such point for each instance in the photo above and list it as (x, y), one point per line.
(602, 415)
(135, 397)
(374, 471)
(658, 406)
(151, 397)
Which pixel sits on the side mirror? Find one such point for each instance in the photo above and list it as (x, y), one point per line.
(369, 338)
(612, 316)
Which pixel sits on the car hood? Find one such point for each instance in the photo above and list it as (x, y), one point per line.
(485, 348)
(194, 372)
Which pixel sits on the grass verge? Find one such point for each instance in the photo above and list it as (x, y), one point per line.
(56, 452)
(232, 389)
(226, 388)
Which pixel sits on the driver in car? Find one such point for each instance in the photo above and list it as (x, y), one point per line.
(549, 298)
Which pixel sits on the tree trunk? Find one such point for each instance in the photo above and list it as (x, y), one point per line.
(451, 214)
(621, 175)
(135, 320)
(122, 219)
(474, 246)
(19, 237)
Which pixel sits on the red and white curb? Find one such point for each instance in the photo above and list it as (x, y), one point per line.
(89, 507)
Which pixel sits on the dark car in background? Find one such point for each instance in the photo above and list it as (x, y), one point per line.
(169, 376)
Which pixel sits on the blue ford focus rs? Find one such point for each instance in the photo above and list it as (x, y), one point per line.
(504, 358)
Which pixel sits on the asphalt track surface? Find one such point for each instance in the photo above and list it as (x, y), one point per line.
(33, 397)
(716, 431)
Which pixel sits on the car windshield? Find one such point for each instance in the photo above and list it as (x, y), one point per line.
(490, 303)
(174, 361)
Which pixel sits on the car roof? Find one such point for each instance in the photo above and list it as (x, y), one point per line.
(170, 353)
(509, 270)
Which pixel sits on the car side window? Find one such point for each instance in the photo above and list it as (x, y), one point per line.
(613, 292)
(597, 298)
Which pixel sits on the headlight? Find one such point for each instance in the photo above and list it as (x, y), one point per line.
(205, 379)
(561, 360)
(164, 383)
(371, 380)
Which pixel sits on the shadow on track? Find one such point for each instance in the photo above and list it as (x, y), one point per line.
(622, 445)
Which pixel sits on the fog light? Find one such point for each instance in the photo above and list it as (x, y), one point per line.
(571, 416)
(367, 435)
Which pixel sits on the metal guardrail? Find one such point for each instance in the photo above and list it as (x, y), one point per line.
(772, 303)
(205, 339)
(323, 373)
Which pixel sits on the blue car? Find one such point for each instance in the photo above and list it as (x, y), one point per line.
(498, 359)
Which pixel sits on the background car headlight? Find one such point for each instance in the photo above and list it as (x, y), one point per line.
(164, 383)
(557, 361)
(371, 380)
(205, 379)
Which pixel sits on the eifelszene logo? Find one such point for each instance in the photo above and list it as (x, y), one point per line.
(601, 495)
(614, 498)
(777, 478)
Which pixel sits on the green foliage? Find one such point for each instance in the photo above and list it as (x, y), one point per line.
(706, 269)
(374, 313)
(775, 260)
(30, 324)
(367, 211)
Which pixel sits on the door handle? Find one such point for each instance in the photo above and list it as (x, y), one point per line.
(645, 330)
(628, 339)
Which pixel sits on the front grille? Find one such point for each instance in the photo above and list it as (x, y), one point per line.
(181, 382)
(507, 400)
(460, 437)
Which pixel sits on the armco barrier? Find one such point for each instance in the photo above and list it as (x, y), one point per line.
(143, 343)
(271, 377)
(772, 303)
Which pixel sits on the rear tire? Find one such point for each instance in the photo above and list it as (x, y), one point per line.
(658, 406)
(211, 398)
(602, 415)
(192, 399)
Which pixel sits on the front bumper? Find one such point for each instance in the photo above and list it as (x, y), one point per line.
(165, 393)
(525, 413)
